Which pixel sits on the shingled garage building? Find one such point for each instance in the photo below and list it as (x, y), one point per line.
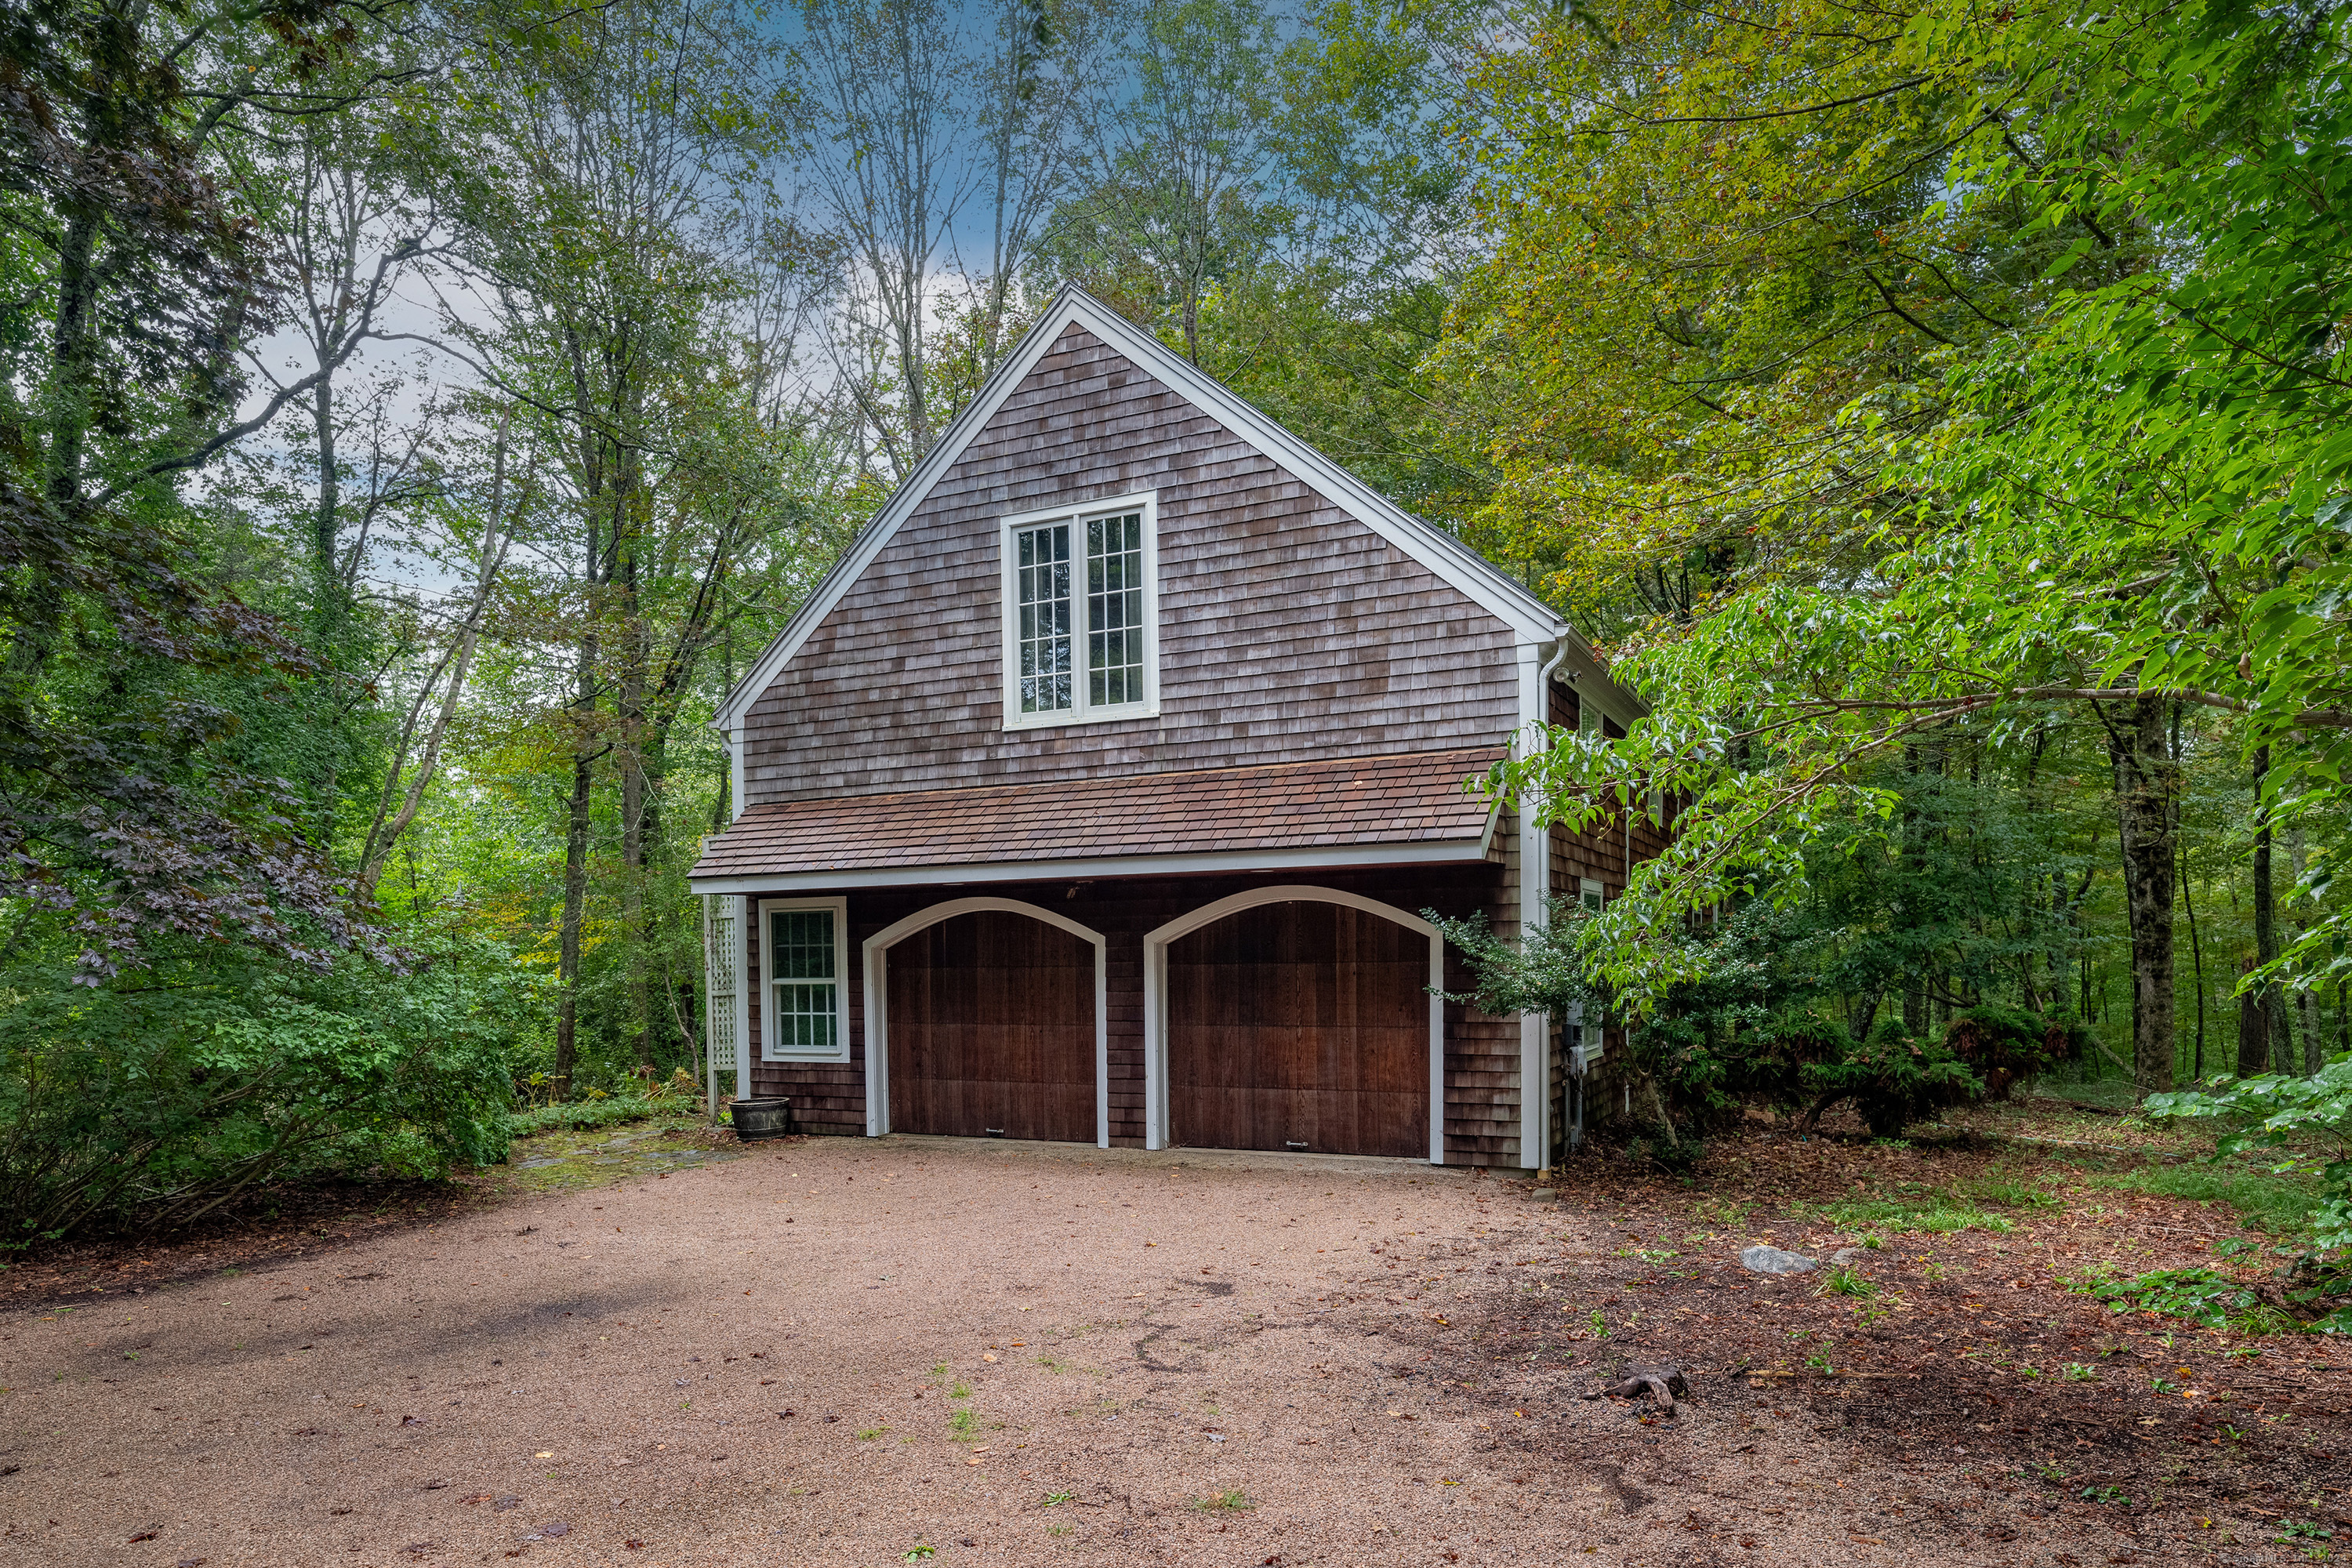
(1098, 795)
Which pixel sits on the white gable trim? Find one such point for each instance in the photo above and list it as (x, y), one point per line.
(1530, 620)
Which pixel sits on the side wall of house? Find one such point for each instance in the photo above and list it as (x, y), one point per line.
(1288, 630)
(1482, 1089)
(1602, 853)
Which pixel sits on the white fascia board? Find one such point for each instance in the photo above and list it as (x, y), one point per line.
(1366, 856)
(1527, 616)
(896, 510)
(1453, 561)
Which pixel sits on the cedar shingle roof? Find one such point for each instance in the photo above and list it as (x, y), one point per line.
(1372, 801)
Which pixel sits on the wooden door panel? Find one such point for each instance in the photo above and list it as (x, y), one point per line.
(1300, 1023)
(991, 1026)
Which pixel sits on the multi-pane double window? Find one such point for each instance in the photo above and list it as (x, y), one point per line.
(1079, 632)
(803, 969)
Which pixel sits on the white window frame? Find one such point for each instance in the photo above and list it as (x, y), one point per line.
(769, 1051)
(1585, 1042)
(1076, 515)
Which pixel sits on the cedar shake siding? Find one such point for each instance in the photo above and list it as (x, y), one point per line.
(1288, 630)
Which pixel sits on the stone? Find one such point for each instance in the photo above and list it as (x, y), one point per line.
(1846, 1255)
(1773, 1260)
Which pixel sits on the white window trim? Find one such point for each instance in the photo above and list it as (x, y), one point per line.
(1080, 712)
(768, 1051)
(1586, 1045)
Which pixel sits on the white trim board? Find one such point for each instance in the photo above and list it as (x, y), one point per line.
(876, 954)
(1355, 856)
(1530, 620)
(1155, 997)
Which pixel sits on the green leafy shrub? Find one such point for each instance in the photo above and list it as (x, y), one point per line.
(2198, 1295)
(2304, 1124)
(2006, 1046)
(154, 1098)
(1894, 1079)
(580, 1115)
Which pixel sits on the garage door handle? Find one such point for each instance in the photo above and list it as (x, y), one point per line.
(993, 1131)
(1288, 1144)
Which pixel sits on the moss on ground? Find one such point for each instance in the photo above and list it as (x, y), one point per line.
(564, 1160)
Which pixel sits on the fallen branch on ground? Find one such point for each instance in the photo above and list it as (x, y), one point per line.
(1664, 1382)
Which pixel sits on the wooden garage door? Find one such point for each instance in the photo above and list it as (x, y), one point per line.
(993, 1028)
(1299, 1025)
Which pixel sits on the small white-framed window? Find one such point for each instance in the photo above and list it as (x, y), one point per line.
(1082, 612)
(804, 970)
(1589, 893)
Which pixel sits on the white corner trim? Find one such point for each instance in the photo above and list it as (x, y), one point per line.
(1535, 887)
(878, 991)
(732, 740)
(745, 918)
(1155, 996)
(1455, 563)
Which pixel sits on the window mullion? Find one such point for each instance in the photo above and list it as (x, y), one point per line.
(1082, 628)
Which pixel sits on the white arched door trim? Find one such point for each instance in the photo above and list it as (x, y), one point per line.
(877, 1026)
(1155, 997)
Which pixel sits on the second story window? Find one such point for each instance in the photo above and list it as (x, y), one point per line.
(1080, 636)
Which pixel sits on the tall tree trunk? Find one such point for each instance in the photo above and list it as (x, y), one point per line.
(386, 830)
(2145, 779)
(575, 902)
(2197, 960)
(635, 654)
(2279, 1055)
(2307, 1013)
(575, 872)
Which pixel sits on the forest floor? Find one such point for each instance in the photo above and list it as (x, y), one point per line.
(650, 1349)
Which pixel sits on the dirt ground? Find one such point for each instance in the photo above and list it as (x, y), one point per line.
(918, 1350)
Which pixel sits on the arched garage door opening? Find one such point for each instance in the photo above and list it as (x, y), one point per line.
(1298, 1018)
(987, 1020)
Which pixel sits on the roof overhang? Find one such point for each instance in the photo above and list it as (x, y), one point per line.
(1361, 856)
(1392, 810)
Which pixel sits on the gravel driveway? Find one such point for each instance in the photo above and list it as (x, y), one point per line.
(845, 1351)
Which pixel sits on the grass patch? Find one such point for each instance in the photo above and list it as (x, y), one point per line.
(1233, 1500)
(1939, 1215)
(578, 1115)
(1844, 1281)
(2263, 1200)
(2001, 1190)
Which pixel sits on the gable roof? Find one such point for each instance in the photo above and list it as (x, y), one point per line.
(1530, 619)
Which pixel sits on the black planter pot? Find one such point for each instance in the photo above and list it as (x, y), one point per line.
(771, 1116)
